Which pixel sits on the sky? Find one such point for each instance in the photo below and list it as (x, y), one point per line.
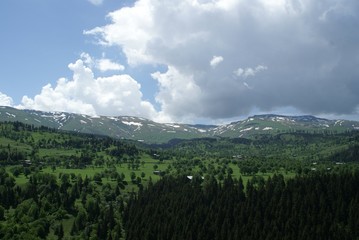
(192, 61)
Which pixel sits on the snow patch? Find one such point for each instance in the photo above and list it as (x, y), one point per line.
(246, 129)
(132, 123)
(83, 122)
(173, 125)
(267, 128)
(338, 122)
(222, 129)
(113, 118)
(11, 115)
(278, 119)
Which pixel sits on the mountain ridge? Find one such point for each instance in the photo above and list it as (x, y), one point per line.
(145, 130)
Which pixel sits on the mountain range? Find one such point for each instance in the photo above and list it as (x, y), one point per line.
(145, 130)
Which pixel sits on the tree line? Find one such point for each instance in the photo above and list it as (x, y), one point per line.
(314, 206)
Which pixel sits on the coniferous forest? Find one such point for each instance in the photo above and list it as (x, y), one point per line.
(318, 206)
(65, 185)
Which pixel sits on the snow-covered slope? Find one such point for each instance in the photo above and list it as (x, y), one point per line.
(126, 127)
(264, 124)
(145, 130)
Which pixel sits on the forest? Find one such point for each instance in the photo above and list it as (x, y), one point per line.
(315, 206)
(66, 185)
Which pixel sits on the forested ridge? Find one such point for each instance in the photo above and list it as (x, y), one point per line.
(317, 206)
(64, 185)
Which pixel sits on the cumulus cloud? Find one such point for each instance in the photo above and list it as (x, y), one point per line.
(175, 89)
(215, 61)
(5, 100)
(105, 64)
(131, 30)
(114, 95)
(102, 64)
(292, 53)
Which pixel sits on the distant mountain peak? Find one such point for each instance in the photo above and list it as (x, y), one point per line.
(145, 130)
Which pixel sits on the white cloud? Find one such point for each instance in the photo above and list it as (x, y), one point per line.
(114, 95)
(96, 2)
(102, 64)
(105, 64)
(215, 61)
(57, 99)
(246, 85)
(87, 59)
(311, 50)
(249, 72)
(5, 100)
(132, 29)
(175, 89)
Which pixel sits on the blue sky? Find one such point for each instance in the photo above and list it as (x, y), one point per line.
(183, 60)
(40, 38)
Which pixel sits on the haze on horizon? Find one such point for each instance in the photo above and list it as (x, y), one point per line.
(187, 60)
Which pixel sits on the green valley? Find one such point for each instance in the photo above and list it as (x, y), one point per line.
(57, 184)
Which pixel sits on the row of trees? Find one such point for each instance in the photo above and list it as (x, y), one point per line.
(318, 206)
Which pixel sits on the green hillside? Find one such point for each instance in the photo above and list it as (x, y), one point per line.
(57, 184)
(147, 131)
